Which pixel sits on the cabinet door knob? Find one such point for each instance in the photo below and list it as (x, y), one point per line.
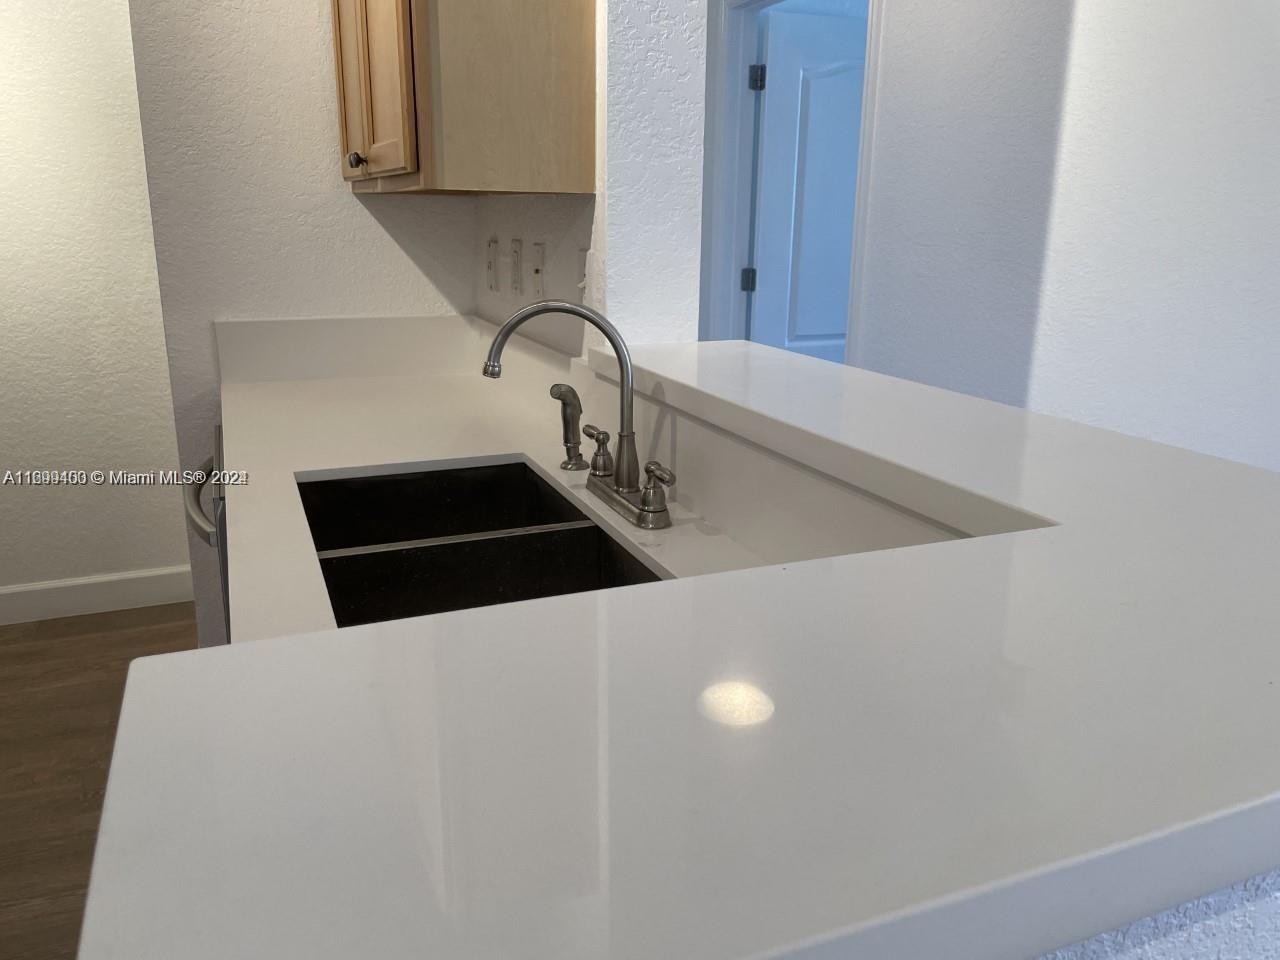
(355, 160)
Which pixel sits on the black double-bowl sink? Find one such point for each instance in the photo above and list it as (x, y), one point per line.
(409, 544)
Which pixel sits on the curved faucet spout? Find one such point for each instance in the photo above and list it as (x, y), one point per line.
(627, 464)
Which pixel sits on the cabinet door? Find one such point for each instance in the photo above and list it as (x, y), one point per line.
(375, 87)
(351, 114)
(514, 95)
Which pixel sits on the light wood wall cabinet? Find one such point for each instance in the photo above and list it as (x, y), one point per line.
(478, 96)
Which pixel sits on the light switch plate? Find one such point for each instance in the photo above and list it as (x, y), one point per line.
(539, 271)
(517, 266)
(491, 265)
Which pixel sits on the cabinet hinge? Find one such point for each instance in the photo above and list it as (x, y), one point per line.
(756, 76)
(749, 279)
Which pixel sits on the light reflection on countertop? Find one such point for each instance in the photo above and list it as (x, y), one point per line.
(735, 703)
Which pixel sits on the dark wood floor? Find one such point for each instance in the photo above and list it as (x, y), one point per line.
(60, 688)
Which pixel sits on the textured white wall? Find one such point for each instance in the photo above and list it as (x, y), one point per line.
(251, 216)
(656, 92)
(1082, 213)
(82, 371)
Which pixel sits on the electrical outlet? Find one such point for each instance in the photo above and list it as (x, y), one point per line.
(517, 266)
(491, 265)
(539, 271)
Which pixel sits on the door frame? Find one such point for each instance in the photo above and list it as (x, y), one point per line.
(728, 158)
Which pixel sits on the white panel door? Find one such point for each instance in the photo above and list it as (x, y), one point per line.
(806, 181)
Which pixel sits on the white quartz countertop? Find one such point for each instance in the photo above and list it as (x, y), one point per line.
(980, 749)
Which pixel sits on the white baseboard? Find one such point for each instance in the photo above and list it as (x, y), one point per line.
(23, 602)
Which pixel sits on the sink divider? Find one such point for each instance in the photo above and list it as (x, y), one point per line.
(454, 538)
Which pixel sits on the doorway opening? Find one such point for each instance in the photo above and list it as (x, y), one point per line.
(788, 124)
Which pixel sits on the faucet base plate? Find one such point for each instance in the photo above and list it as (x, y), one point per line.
(628, 504)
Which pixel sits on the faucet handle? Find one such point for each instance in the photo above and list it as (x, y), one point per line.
(602, 459)
(653, 498)
(657, 474)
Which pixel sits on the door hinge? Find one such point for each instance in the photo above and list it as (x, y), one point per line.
(749, 279)
(756, 76)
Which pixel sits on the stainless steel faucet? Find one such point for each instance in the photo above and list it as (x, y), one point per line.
(621, 487)
(626, 476)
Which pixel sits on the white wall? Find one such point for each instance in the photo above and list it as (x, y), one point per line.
(961, 183)
(1160, 302)
(655, 92)
(251, 216)
(1081, 213)
(82, 370)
